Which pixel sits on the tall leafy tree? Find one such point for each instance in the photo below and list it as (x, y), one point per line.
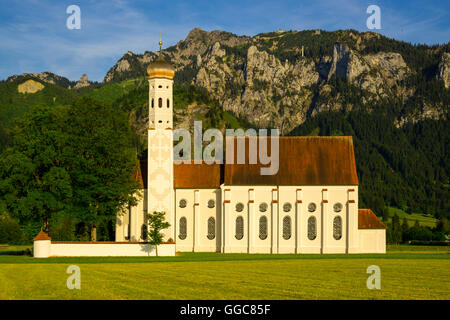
(102, 162)
(77, 159)
(34, 181)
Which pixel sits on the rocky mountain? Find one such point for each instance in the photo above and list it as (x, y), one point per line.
(279, 79)
(47, 77)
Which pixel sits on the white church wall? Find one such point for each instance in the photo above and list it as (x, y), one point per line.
(131, 229)
(203, 243)
(185, 242)
(236, 195)
(137, 221)
(332, 196)
(372, 241)
(298, 198)
(310, 195)
(352, 219)
(262, 195)
(287, 197)
(121, 225)
(197, 214)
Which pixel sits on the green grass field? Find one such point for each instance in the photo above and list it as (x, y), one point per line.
(407, 272)
(424, 220)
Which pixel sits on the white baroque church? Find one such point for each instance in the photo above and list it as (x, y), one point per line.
(309, 206)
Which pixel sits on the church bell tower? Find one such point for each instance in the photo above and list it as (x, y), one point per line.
(160, 184)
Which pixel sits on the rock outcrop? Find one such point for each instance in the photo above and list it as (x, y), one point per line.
(83, 82)
(444, 69)
(30, 86)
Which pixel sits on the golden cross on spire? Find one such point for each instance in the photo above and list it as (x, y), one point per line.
(160, 41)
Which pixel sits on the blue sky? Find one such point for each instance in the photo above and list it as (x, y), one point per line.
(34, 36)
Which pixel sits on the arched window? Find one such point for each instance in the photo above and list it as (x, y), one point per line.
(263, 228)
(286, 228)
(168, 103)
(183, 229)
(211, 228)
(337, 228)
(312, 228)
(153, 102)
(144, 232)
(160, 102)
(239, 228)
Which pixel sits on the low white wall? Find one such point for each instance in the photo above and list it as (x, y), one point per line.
(44, 249)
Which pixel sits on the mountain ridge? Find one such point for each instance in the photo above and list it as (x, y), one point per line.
(282, 78)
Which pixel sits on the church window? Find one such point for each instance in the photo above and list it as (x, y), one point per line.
(144, 232)
(312, 228)
(160, 102)
(211, 203)
(183, 203)
(286, 228)
(337, 207)
(160, 86)
(263, 207)
(239, 207)
(211, 228)
(153, 103)
(168, 103)
(263, 228)
(287, 207)
(183, 228)
(337, 228)
(312, 207)
(239, 228)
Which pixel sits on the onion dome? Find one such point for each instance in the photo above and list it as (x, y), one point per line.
(160, 68)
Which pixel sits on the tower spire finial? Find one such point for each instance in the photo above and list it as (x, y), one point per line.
(160, 41)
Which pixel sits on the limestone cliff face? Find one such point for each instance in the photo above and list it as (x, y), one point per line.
(444, 69)
(30, 86)
(271, 80)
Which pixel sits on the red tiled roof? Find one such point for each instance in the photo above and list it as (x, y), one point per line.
(368, 220)
(302, 161)
(42, 236)
(193, 175)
